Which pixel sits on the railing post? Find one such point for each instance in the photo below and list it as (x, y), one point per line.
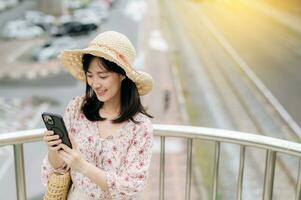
(241, 172)
(215, 170)
(188, 169)
(19, 171)
(269, 175)
(162, 169)
(298, 186)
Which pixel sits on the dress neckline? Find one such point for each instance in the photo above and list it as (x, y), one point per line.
(116, 132)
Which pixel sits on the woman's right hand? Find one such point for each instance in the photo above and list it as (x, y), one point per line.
(52, 140)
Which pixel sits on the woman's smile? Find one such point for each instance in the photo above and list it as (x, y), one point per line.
(100, 92)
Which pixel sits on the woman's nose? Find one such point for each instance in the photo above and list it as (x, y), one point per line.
(95, 83)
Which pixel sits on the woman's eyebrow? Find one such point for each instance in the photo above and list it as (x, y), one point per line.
(102, 72)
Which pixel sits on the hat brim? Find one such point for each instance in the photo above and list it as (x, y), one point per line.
(72, 61)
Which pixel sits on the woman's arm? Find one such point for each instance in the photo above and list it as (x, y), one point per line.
(76, 161)
(96, 175)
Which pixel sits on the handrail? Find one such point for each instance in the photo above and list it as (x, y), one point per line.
(272, 145)
(180, 131)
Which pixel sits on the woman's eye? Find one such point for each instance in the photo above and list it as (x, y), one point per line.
(103, 77)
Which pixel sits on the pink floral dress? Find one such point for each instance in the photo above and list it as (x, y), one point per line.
(125, 156)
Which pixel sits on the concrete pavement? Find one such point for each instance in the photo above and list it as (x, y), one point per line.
(163, 104)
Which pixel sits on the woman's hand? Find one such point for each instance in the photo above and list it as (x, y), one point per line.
(53, 141)
(71, 156)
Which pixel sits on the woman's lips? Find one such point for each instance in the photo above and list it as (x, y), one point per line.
(100, 92)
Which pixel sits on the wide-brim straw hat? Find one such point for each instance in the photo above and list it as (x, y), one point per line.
(112, 46)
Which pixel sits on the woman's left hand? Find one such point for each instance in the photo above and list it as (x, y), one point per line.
(71, 156)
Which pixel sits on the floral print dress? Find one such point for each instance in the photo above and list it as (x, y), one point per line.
(124, 156)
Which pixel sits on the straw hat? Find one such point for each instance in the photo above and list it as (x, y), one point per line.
(112, 46)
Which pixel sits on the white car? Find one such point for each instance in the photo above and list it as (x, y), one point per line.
(2, 6)
(40, 19)
(52, 48)
(21, 29)
(86, 17)
(10, 3)
(100, 9)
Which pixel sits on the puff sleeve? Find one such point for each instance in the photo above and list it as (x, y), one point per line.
(132, 176)
(69, 116)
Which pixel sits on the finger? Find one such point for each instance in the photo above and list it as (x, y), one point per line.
(53, 137)
(65, 148)
(55, 148)
(73, 142)
(48, 133)
(65, 156)
(55, 142)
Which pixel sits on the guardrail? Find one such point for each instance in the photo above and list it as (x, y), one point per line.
(271, 145)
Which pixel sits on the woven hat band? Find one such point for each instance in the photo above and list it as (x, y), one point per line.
(118, 55)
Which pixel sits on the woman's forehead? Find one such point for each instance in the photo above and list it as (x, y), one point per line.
(97, 65)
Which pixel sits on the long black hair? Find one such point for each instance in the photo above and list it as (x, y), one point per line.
(130, 103)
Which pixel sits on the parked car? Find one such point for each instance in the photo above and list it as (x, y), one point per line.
(52, 48)
(101, 10)
(21, 29)
(40, 19)
(74, 28)
(85, 16)
(10, 3)
(2, 6)
(64, 19)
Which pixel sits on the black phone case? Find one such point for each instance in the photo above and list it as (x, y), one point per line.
(57, 125)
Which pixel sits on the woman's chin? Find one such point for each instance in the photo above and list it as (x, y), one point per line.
(101, 98)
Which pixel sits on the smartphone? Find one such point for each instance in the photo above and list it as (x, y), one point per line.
(55, 123)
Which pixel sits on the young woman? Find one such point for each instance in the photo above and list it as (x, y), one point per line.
(109, 129)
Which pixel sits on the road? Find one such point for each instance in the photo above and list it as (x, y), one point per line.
(219, 95)
(271, 49)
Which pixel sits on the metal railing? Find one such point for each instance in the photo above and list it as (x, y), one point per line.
(271, 145)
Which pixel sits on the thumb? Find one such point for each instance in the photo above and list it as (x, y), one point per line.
(73, 142)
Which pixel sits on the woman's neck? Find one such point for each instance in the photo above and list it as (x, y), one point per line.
(112, 107)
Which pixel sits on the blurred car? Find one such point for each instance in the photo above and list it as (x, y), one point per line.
(85, 16)
(52, 48)
(74, 28)
(21, 29)
(64, 19)
(40, 19)
(76, 4)
(99, 9)
(2, 6)
(10, 3)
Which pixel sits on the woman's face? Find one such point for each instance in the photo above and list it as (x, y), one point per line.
(106, 84)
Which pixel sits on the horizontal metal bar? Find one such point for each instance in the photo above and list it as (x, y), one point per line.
(20, 137)
(178, 131)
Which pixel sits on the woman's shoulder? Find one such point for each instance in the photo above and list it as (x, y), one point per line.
(143, 121)
(142, 118)
(74, 105)
(76, 102)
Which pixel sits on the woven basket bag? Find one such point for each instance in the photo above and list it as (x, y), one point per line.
(58, 186)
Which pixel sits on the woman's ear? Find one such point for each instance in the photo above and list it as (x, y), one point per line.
(123, 77)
